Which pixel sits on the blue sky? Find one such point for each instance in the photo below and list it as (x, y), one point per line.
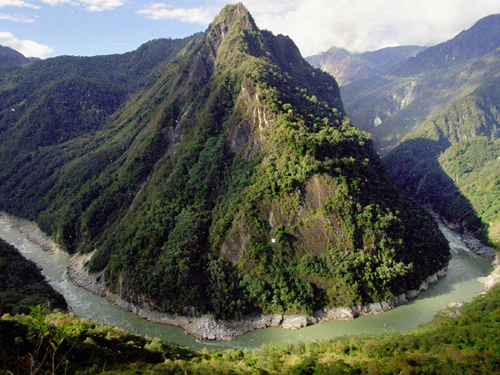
(46, 28)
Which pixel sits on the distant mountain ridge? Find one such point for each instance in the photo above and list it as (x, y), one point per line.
(394, 105)
(9, 54)
(435, 120)
(347, 67)
(477, 41)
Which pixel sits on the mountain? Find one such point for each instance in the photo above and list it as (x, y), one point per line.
(11, 59)
(348, 67)
(219, 165)
(395, 104)
(453, 162)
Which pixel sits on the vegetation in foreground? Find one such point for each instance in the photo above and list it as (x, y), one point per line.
(457, 341)
(43, 342)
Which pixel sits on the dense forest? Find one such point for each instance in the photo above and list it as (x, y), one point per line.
(426, 115)
(220, 165)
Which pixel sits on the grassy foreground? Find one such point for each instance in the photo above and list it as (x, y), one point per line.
(462, 340)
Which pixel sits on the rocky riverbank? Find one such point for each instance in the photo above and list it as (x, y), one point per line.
(480, 248)
(33, 233)
(205, 327)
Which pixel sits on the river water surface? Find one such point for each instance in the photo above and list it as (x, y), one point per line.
(459, 285)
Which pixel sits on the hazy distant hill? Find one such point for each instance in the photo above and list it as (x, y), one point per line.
(9, 56)
(348, 67)
(219, 165)
(395, 104)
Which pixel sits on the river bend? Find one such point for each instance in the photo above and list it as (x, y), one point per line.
(460, 285)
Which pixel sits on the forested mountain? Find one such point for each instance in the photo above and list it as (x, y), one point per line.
(348, 67)
(395, 104)
(453, 162)
(220, 165)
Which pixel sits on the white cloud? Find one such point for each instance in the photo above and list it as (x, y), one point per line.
(28, 48)
(57, 2)
(362, 25)
(17, 3)
(100, 5)
(92, 5)
(20, 18)
(160, 11)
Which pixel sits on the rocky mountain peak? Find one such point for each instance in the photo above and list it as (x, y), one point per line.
(231, 17)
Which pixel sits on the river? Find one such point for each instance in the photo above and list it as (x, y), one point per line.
(459, 285)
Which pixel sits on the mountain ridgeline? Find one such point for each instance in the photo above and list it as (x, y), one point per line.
(434, 119)
(348, 67)
(393, 105)
(216, 173)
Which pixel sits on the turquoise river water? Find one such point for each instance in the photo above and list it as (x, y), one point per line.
(460, 285)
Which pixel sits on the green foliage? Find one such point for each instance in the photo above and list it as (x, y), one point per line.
(474, 166)
(57, 343)
(425, 85)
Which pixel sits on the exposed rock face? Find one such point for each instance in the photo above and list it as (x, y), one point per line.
(81, 277)
(479, 248)
(207, 328)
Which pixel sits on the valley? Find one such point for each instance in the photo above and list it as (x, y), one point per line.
(221, 184)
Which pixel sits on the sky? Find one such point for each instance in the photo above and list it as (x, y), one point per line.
(48, 28)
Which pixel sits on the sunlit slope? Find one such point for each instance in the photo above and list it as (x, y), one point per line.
(349, 67)
(453, 162)
(392, 106)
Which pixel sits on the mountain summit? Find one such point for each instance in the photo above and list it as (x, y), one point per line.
(225, 179)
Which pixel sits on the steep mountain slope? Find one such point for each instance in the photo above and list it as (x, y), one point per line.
(452, 162)
(394, 105)
(348, 67)
(50, 111)
(232, 172)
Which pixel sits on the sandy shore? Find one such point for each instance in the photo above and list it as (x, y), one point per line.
(206, 327)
